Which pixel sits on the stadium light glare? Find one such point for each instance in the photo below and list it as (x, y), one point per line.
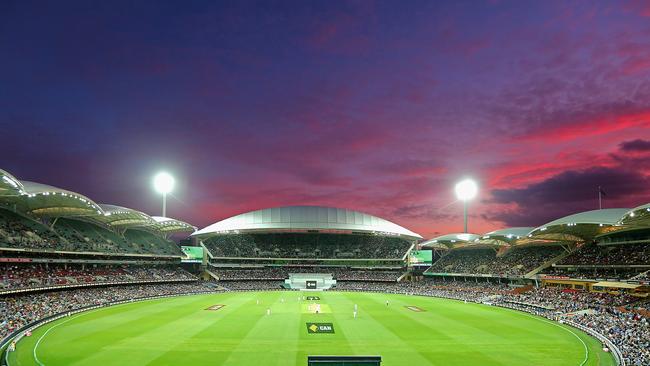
(163, 183)
(466, 189)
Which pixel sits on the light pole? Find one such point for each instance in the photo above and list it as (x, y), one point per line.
(163, 183)
(465, 191)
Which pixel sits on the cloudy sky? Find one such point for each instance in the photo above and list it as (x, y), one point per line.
(374, 106)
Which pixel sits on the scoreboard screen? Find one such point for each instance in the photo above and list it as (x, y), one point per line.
(420, 257)
(192, 254)
(310, 285)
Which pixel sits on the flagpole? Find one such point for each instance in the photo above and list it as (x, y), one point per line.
(600, 198)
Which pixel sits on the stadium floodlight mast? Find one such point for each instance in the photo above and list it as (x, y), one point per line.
(466, 189)
(163, 183)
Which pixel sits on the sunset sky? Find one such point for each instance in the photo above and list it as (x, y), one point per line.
(375, 106)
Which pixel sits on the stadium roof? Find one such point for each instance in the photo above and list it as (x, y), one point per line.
(638, 216)
(306, 218)
(118, 216)
(122, 216)
(504, 236)
(169, 225)
(9, 185)
(43, 200)
(581, 226)
(450, 240)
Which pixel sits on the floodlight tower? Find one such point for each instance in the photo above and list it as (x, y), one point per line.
(466, 189)
(163, 183)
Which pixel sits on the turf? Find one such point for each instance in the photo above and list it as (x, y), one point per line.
(180, 331)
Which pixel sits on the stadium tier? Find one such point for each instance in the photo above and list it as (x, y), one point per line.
(281, 273)
(514, 262)
(309, 246)
(24, 277)
(61, 253)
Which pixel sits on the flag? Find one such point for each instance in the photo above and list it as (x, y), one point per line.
(600, 190)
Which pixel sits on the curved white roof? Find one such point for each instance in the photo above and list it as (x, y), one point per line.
(637, 216)
(305, 218)
(581, 226)
(122, 216)
(450, 240)
(44, 200)
(607, 216)
(169, 225)
(504, 236)
(511, 231)
(9, 185)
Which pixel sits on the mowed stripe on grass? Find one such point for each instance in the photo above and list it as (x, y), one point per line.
(179, 331)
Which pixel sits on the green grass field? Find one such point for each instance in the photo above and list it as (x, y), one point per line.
(180, 331)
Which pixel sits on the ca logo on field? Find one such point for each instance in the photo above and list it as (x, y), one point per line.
(320, 328)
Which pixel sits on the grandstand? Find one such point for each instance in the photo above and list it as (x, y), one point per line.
(306, 239)
(60, 252)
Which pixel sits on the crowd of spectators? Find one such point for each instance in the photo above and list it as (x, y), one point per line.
(26, 276)
(307, 245)
(629, 331)
(17, 231)
(244, 285)
(618, 317)
(614, 316)
(18, 311)
(624, 254)
(514, 262)
(281, 273)
(593, 273)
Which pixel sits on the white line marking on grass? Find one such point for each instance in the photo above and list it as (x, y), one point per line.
(568, 330)
(47, 331)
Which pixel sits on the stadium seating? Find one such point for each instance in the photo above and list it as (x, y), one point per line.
(75, 235)
(624, 254)
(33, 276)
(281, 273)
(622, 319)
(19, 310)
(306, 246)
(17, 231)
(516, 261)
(145, 242)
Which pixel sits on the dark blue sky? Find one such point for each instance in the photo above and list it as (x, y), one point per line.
(375, 106)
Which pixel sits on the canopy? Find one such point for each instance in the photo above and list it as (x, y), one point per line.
(306, 218)
(582, 226)
(638, 216)
(507, 236)
(171, 226)
(118, 216)
(9, 185)
(43, 200)
(450, 240)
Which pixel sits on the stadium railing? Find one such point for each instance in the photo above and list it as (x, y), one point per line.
(620, 360)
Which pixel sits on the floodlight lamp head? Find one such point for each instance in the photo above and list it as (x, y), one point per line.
(163, 183)
(466, 190)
